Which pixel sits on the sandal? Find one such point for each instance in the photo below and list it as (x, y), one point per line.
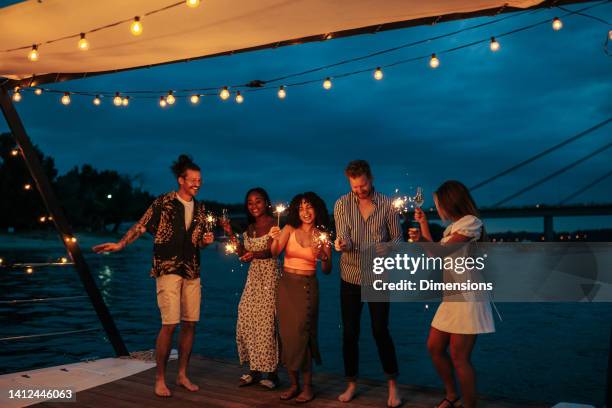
(269, 383)
(451, 404)
(247, 379)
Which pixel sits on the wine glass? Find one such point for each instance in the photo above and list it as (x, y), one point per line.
(224, 221)
(418, 199)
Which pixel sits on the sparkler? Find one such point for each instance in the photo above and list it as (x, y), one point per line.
(280, 208)
(210, 221)
(400, 203)
(230, 248)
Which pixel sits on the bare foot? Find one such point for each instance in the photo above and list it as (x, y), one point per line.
(394, 398)
(184, 382)
(161, 389)
(306, 395)
(290, 393)
(349, 393)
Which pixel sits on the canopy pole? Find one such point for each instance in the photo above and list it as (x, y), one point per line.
(61, 223)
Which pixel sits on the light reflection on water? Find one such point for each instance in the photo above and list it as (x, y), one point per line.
(547, 352)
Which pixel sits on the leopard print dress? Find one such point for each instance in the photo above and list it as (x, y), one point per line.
(256, 334)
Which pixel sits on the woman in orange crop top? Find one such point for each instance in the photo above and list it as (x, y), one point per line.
(297, 299)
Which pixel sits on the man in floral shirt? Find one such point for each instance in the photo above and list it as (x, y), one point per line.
(177, 222)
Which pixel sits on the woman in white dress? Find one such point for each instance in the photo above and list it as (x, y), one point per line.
(456, 323)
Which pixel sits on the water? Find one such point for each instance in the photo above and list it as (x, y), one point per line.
(541, 351)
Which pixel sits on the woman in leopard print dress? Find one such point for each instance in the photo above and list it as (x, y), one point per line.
(256, 335)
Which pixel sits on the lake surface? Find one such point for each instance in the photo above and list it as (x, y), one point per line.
(541, 351)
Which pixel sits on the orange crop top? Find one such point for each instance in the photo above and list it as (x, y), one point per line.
(299, 257)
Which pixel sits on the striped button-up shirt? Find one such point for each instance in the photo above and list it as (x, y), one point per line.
(383, 225)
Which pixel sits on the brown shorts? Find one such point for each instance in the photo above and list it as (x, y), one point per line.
(178, 298)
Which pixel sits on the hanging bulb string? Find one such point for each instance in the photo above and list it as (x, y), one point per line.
(93, 30)
(403, 46)
(213, 91)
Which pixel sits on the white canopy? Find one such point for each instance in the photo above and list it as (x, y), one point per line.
(216, 27)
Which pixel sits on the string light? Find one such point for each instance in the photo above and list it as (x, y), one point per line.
(327, 84)
(162, 102)
(494, 44)
(66, 99)
(29, 270)
(1, 260)
(434, 62)
(557, 24)
(97, 101)
(70, 240)
(125, 101)
(136, 27)
(27, 187)
(224, 94)
(192, 3)
(63, 260)
(282, 94)
(239, 98)
(14, 152)
(194, 99)
(38, 91)
(16, 96)
(378, 74)
(83, 43)
(117, 99)
(170, 99)
(42, 219)
(33, 54)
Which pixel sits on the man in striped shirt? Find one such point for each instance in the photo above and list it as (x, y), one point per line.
(364, 219)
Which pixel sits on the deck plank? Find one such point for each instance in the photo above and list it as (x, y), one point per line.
(218, 380)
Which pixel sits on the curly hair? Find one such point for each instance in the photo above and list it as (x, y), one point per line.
(264, 194)
(182, 164)
(321, 214)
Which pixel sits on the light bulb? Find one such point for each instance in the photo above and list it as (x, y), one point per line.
(97, 101)
(162, 102)
(224, 93)
(38, 91)
(27, 187)
(378, 74)
(29, 270)
(557, 24)
(194, 99)
(83, 43)
(282, 94)
(239, 98)
(117, 99)
(136, 27)
(14, 152)
(42, 219)
(66, 98)
(434, 62)
(170, 99)
(33, 54)
(192, 3)
(494, 44)
(327, 84)
(125, 101)
(16, 96)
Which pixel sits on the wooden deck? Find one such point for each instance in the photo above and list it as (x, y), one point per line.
(218, 389)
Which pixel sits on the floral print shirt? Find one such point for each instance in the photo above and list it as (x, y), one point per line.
(176, 250)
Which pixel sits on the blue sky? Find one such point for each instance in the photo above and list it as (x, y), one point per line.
(478, 113)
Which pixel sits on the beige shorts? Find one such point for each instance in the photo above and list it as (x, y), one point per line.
(178, 298)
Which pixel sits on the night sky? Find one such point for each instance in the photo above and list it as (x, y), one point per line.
(477, 114)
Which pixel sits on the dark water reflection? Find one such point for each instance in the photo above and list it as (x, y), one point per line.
(548, 352)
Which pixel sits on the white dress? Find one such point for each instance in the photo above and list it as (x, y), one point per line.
(464, 317)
